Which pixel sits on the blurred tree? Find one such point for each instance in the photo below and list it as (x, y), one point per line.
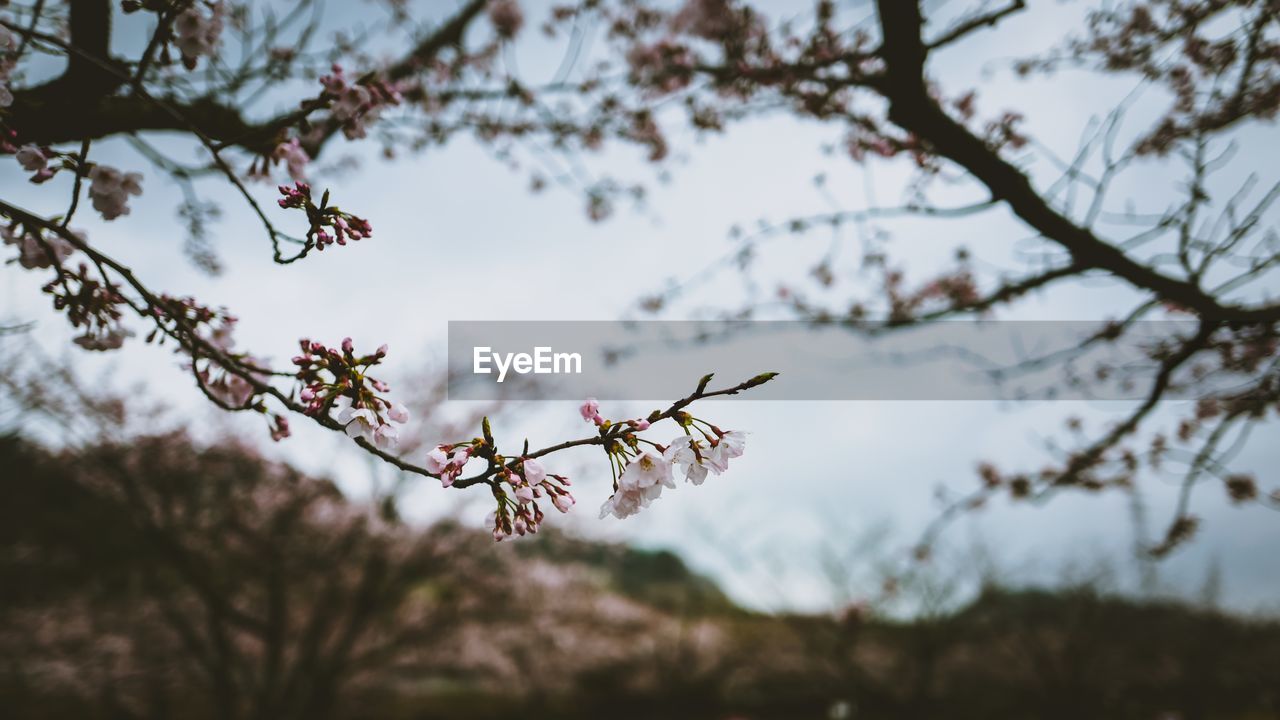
(157, 579)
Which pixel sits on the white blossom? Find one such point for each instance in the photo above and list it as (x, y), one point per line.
(563, 502)
(640, 484)
(689, 454)
(440, 463)
(437, 460)
(534, 472)
(398, 413)
(622, 505)
(731, 445)
(365, 422)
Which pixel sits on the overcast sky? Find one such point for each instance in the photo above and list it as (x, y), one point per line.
(459, 237)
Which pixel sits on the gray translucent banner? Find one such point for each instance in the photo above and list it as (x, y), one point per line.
(661, 360)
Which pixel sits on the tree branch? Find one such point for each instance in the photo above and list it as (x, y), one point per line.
(912, 108)
(78, 105)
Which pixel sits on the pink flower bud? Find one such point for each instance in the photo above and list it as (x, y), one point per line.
(563, 502)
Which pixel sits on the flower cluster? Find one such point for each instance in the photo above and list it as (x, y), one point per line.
(337, 380)
(640, 474)
(344, 225)
(44, 162)
(91, 305)
(36, 250)
(447, 461)
(355, 104)
(519, 488)
(110, 189)
(229, 378)
(197, 31)
(518, 484)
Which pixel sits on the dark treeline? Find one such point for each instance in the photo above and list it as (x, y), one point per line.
(157, 578)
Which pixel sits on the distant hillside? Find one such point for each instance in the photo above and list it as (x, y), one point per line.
(159, 578)
(658, 578)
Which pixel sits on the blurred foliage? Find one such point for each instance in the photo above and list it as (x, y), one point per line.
(158, 578)
(655, 577)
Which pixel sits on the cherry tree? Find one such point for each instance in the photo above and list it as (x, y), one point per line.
(1203, 251)
(184, 79)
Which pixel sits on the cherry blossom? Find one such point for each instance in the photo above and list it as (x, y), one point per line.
(110, 190)
(91, 305)
(563, 502)
(36, 251)
(332, 385)
(198, 34)
(590, 411)
(727, 446)
(338, 381)
(640, 484)
(230, 389)
(295, 158)
(689, 454)
(641, 473)
(36, 160)
(522, 485)
(447, 462)
(280, 428)
(533, 471)
(356, 104)
(437, 459)
(648, 473)
(111, 338)
(368, 423)
(324, 217)
(31, 158)
(622, 505)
